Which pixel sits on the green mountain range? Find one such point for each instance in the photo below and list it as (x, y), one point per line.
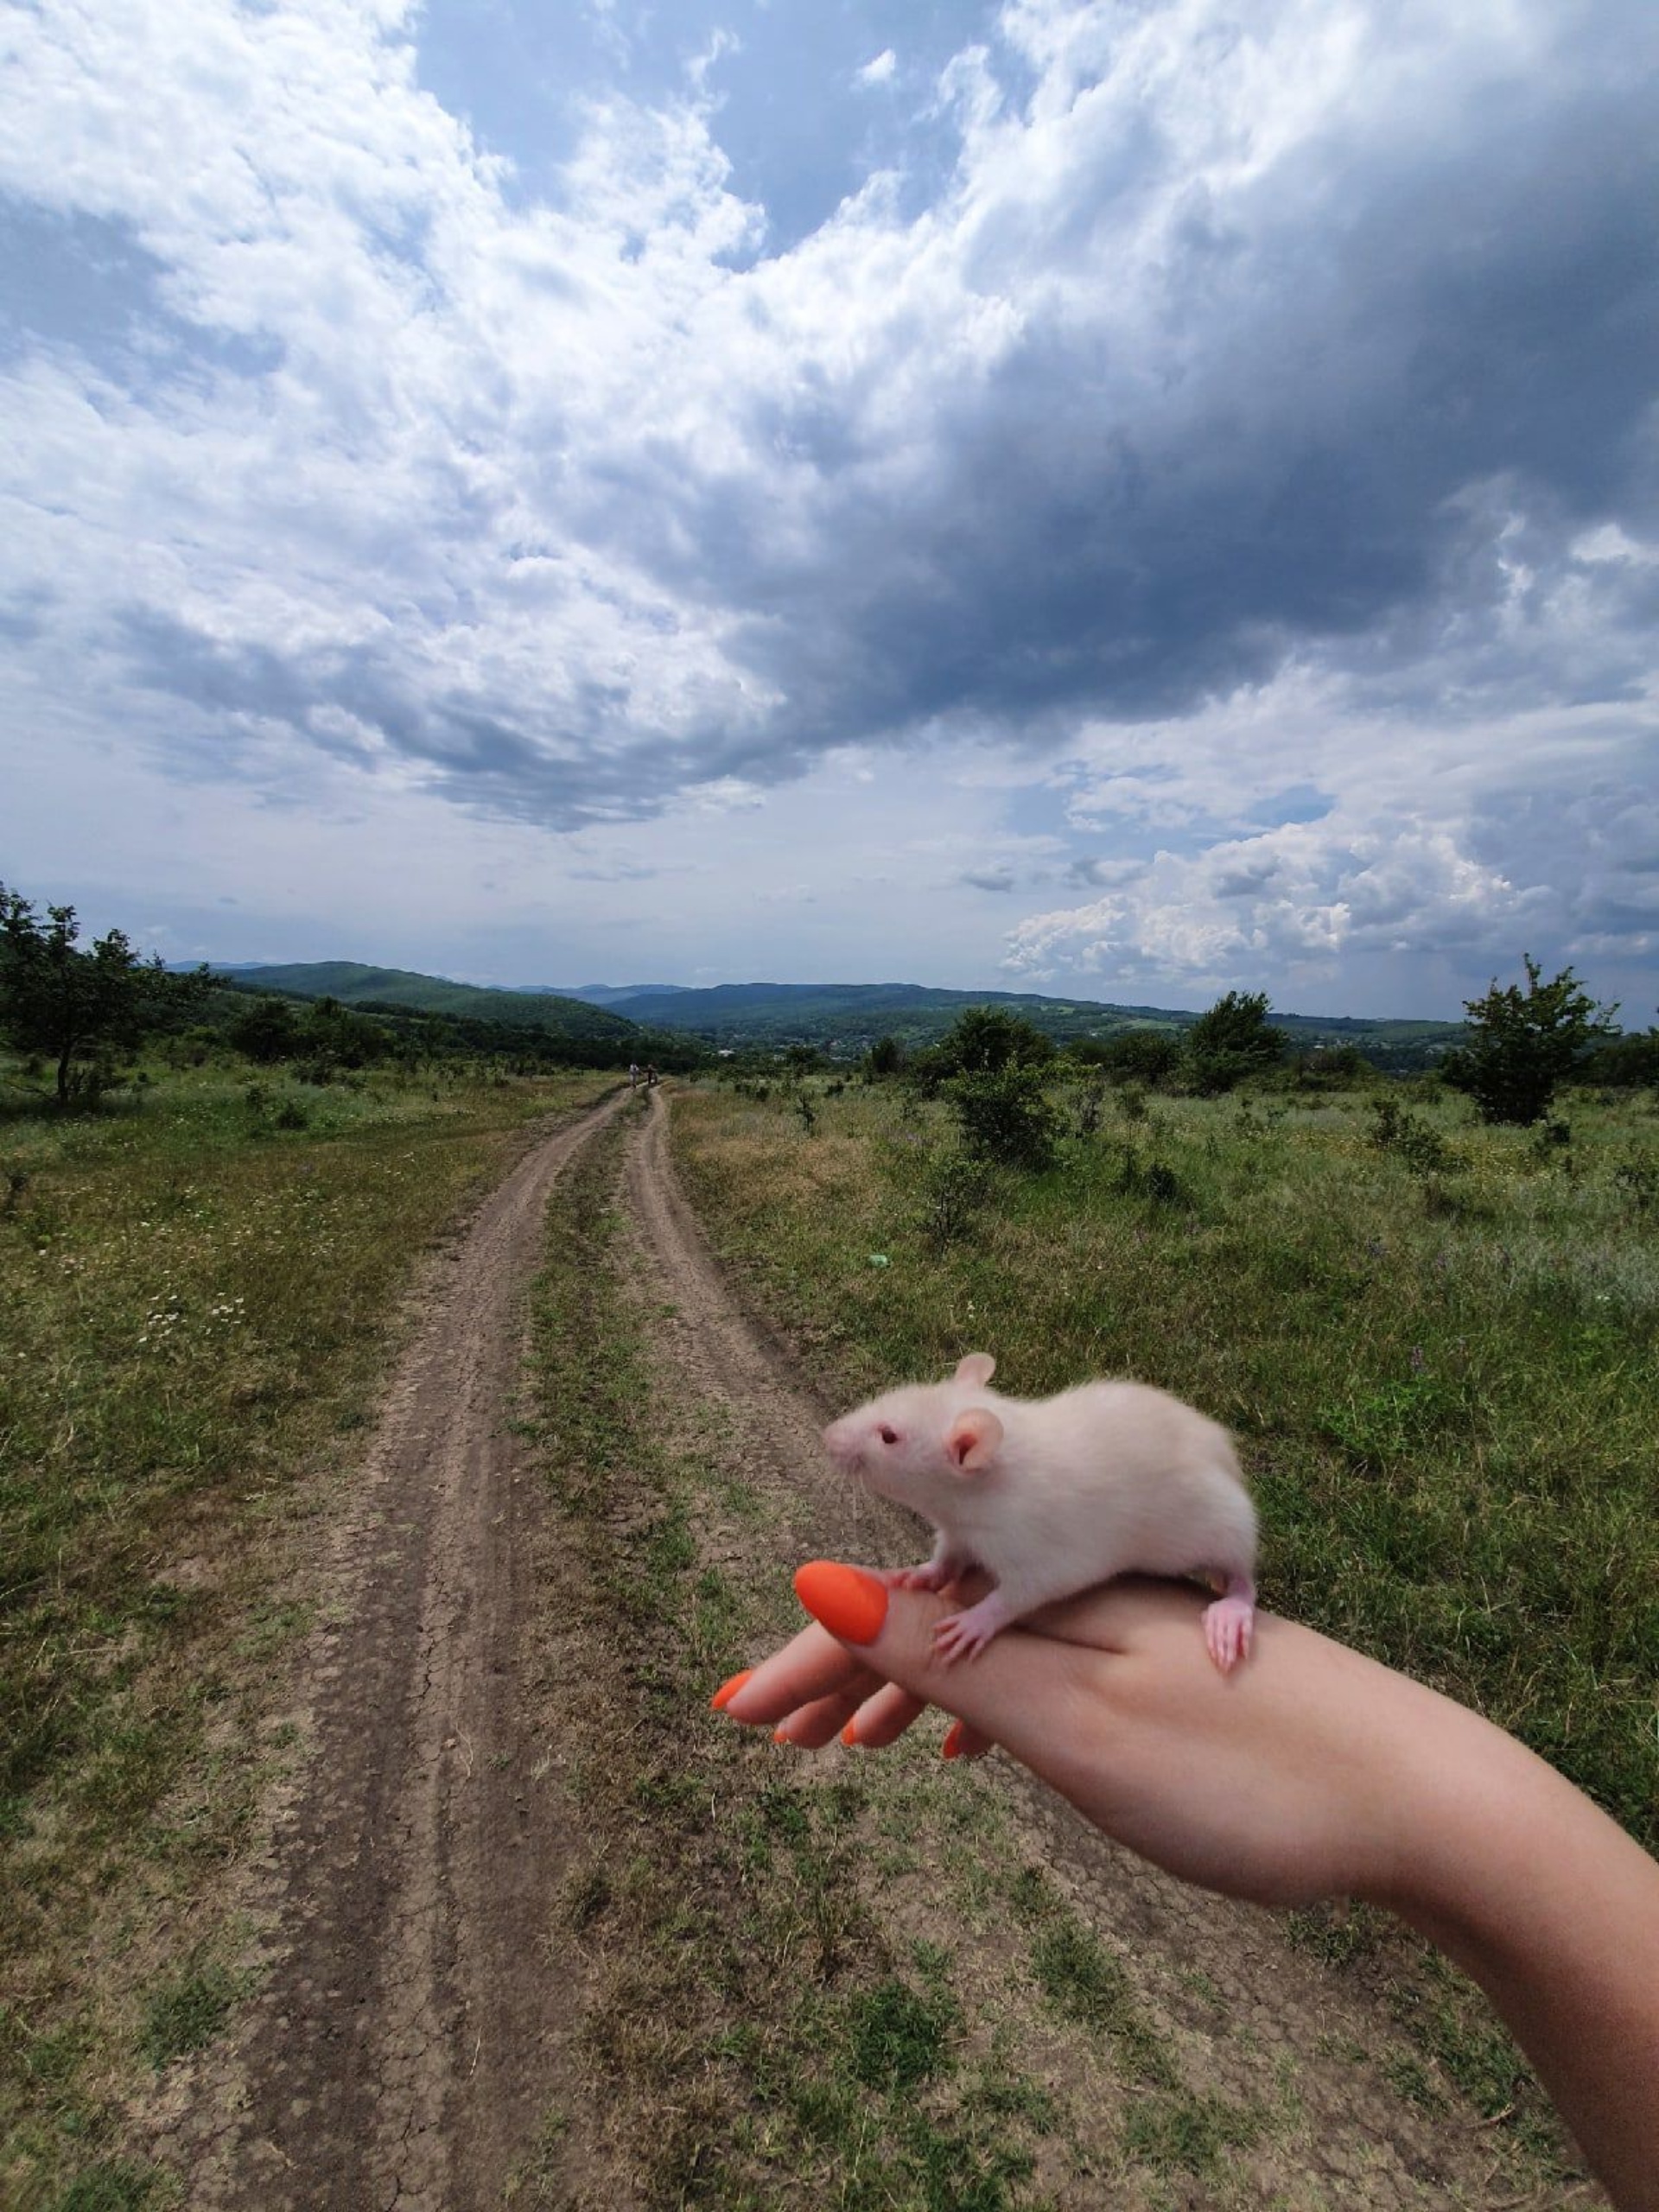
(354, 984)
(841, 1019)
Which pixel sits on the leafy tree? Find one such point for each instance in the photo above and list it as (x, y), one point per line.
(1231, 1041)
(266, 1031)
(80, 1008)
(885, 1057)
(1141, 1055)
(985, 1040)
(1624, 1063)
(1333, 1067)
(1523, 1044)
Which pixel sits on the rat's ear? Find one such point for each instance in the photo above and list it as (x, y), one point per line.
(976, 1369)
(971, 1440)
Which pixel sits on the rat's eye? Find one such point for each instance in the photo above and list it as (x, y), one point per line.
(887, 1436)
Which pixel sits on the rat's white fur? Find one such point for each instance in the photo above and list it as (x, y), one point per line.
(1050, 1496)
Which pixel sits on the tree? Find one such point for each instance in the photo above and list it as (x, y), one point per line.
(985, 1040)
(80, 1008)
(1232, 1039)
(1141, 1055)
(265, 1030)
(1523, 1044)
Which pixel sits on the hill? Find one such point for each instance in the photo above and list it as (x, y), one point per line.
(840, 1019)
(845, 1019)
(401, 988)
(602, 994)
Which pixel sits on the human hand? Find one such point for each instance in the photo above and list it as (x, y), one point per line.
(1283, 1782)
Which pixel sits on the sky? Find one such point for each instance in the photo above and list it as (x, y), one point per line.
(1128, 500)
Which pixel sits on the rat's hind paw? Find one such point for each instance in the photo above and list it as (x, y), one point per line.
(1228, 1627)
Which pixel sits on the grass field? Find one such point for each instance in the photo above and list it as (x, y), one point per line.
(198, 1294)
(1437, 1349)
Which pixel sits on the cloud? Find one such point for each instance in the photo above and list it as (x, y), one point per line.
(1292, 900)
(1243, 409)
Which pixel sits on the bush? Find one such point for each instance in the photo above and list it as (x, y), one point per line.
(1142, 1056)
(1007, 1117)
(1393, 1129)
(954, 1189)
(1524, 1044)
(985, 1041)
(1231, 1040)
(1153, 1179)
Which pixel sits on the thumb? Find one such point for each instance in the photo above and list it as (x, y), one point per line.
(1000, 1694)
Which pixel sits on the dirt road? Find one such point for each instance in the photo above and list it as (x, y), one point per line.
(409, 2020)
(394, 2052)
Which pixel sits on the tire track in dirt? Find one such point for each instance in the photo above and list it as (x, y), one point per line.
(1239, 2002)
(398, 2050)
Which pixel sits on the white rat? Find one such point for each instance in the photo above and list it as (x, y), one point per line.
(1050, 1496)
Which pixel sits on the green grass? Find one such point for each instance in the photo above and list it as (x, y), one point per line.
(198, 1296)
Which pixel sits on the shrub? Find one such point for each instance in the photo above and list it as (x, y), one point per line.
(1154, 1179)
(1231, 1040)
(1007, 1117)
(1523, 1045)
(1088, 1103)
(1393, 1129)
(954, 1189)
(985, 1041)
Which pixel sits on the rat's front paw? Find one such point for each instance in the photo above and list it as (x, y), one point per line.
(932, 1574)
(959, 1635)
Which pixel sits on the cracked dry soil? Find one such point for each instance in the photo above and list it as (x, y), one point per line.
(410, 2025)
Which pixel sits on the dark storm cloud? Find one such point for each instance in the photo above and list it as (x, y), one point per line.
(1347, 354)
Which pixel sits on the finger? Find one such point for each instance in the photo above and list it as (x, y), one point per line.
(1028, 1693)
(883, 1719)
(812, 1726)
(810, 1666)
(963, 1742)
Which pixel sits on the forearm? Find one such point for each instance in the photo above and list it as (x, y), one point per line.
(1546, 1904)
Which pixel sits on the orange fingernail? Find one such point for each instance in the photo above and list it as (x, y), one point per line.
(723, 1696)
(951, 1747)
(850, 1603)
(780, 1736)
(850, 1733)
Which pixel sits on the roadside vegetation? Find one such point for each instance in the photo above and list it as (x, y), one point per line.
(198, 1294)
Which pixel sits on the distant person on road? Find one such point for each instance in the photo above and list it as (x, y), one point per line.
(650, 1075)
(1310, 1772)
(634, 1075)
